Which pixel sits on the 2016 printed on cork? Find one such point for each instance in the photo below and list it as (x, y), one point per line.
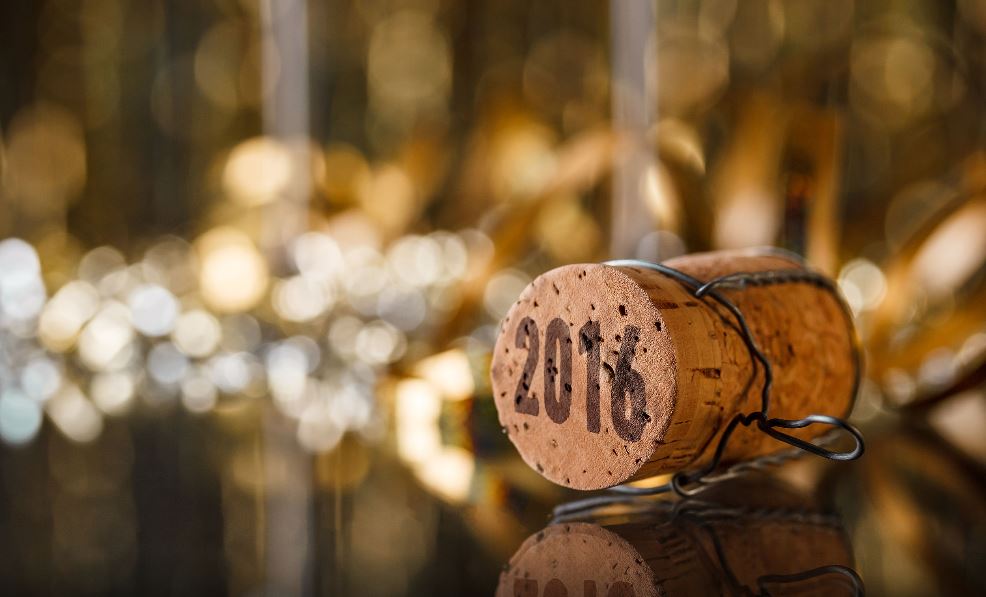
(609, 373)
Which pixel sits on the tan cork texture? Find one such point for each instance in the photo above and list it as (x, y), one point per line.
(577, 558)
(725, 551)
(677, 367)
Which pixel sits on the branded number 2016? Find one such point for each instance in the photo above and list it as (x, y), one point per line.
(626, 383)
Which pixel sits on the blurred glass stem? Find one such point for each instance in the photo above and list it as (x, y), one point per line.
(634, 107)
(284, 76)
(289, 505)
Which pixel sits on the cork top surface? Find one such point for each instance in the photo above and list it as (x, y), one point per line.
(576, 558)
(583, 376)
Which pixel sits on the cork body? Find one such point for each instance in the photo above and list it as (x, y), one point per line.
(606, 374)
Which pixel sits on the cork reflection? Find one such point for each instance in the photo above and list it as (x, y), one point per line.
(745, 537)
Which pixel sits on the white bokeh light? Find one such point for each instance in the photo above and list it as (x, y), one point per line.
(301, 298)
(21, 297)
(317, 255)
(18, 259)
(863, 285)
(153, 310)
(105, 342)
(310, 348)
(112, 392)
(22, 291)
(231, 372)
(198, 393)
(20, 418)
(455, 256)
(100, 262)
(166, 364)
(351, 408)
(342, 335)
(74, 415)
(404, 308)
(373, 275)
(41, 377)
(197, 333)
(65, 314)
(287, 372)
(379, 343)
(416, 260)
(317, 429)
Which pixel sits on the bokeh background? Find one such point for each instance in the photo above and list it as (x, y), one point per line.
(255, 252)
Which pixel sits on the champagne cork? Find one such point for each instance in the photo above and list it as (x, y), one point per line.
(604, 374)
(715, 550)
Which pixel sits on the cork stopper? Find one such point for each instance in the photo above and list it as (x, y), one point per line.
(606, 374)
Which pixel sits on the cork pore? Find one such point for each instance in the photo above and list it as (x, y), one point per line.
(673, 370)
(617, 343)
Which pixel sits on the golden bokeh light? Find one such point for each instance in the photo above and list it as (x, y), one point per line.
(106, 341)
(417, 408)
(233, 275)
(45, 157)
(449, 473)
(217, 64)
(954, 252)
(568, 232)
(74, 415)
(863, 285)
(257, 171)
(113, 392)
(388, 198)
(409, 69)
(301, 298)
(692, 71)
(449, 372)
(65, 314)
(345, 175)
(891, 79)
(197, 333)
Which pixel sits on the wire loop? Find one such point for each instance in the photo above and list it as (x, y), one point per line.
(769, 427)
(689, 483)
(788, 579)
